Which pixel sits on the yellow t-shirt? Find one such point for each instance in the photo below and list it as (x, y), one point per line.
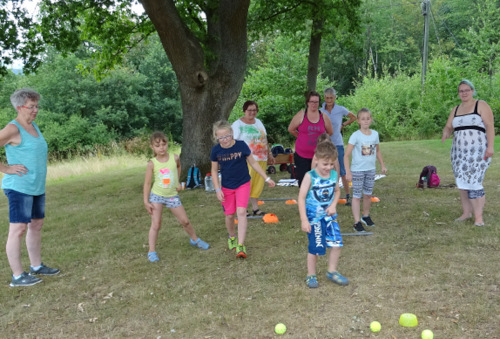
(166, 178)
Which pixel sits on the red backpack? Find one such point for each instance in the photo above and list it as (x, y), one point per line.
(428, 177)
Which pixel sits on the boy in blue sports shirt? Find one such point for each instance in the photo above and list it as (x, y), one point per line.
(318, 197)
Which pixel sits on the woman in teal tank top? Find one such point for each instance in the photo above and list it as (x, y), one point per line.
(24, 185)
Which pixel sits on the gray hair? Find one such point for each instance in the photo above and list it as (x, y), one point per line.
(468, 83)
(19, 97)
(330, 90)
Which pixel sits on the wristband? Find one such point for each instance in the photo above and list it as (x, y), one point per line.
(267, 179)
(218, 189)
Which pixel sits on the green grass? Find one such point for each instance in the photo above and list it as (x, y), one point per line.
(417, 261)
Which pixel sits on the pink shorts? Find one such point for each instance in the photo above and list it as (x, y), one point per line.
(234, 198)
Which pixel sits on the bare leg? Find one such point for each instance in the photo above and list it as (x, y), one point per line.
(242, 224)
(466, 205)
(345, 182)
(155, 226)
(255, 205)
(477, 207)
(311, 263)
(367, 203)
(356, 202)
(333, 259)
(230, 224)
(34, 241)
(180, 214)
(13, 247)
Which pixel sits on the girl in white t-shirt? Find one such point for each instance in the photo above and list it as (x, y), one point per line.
(364, 147)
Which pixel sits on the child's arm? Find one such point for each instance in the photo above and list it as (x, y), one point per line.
(251, 161)
(147, 187)
(304, 188)
(332, 209)
(347, 164)
(380, 160)
(215, 181)
(178, 162)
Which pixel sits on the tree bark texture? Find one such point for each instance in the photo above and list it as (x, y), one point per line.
(210, 79)
(314, 49)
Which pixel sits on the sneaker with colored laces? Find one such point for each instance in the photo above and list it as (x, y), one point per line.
(241, 251)
(199, 243)
(311, 281)
(232, 242)
(153, 256)
(358, 227)
(337, 278)
(25, 279)
(367, 221)
(44, 270)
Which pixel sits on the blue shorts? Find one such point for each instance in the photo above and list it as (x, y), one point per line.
(362, 183)
(24, 207)
(169, 202)
(340, 150)
(325, 232)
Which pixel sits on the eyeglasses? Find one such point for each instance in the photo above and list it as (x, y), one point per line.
(314, 102)
(464, 91)
(224, 137)
(31, 108)
(251, 110)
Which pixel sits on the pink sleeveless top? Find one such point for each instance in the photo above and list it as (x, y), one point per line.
(305, 144)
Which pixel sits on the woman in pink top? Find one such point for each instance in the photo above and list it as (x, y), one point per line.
(306, 126)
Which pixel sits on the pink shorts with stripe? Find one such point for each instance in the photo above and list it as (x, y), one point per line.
(234, 198)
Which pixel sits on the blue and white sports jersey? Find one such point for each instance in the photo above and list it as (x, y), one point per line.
(320, 195)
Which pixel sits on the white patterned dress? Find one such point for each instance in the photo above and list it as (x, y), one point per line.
(467, 150)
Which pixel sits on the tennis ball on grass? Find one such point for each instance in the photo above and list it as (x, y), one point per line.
(375, 326)
(280, 328)
(427, 334)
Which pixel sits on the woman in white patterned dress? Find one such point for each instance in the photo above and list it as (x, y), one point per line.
(473, 139)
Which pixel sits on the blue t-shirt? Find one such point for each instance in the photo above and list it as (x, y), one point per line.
(233, 163)
(320, 195)
(364, 153)
(336, 116)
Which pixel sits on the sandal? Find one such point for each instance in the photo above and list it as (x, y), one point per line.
(337, 278)
(152, 257)
(258, 212)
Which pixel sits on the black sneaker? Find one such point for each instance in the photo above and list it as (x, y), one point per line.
(25, 280)
(44, 270)
(347, 200)
(367, 221)
(358, 227)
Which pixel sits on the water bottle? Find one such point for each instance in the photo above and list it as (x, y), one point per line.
(209, 185)
(424, 182)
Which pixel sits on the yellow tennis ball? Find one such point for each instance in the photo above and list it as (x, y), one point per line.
(427, 334)
(280, 328)
(375, 326)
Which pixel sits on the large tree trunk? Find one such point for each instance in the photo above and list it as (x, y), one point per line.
(209, 82)
(314, 49)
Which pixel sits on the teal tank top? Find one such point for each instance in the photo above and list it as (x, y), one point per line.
(32, 153)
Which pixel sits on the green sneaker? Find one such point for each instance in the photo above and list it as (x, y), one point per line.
(241, 251)
(232, 243)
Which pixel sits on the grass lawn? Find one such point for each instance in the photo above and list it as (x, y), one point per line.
(418, 260)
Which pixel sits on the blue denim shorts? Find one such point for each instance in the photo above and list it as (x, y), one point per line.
(24, 207)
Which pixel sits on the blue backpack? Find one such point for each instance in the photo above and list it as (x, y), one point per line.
(193, 177)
